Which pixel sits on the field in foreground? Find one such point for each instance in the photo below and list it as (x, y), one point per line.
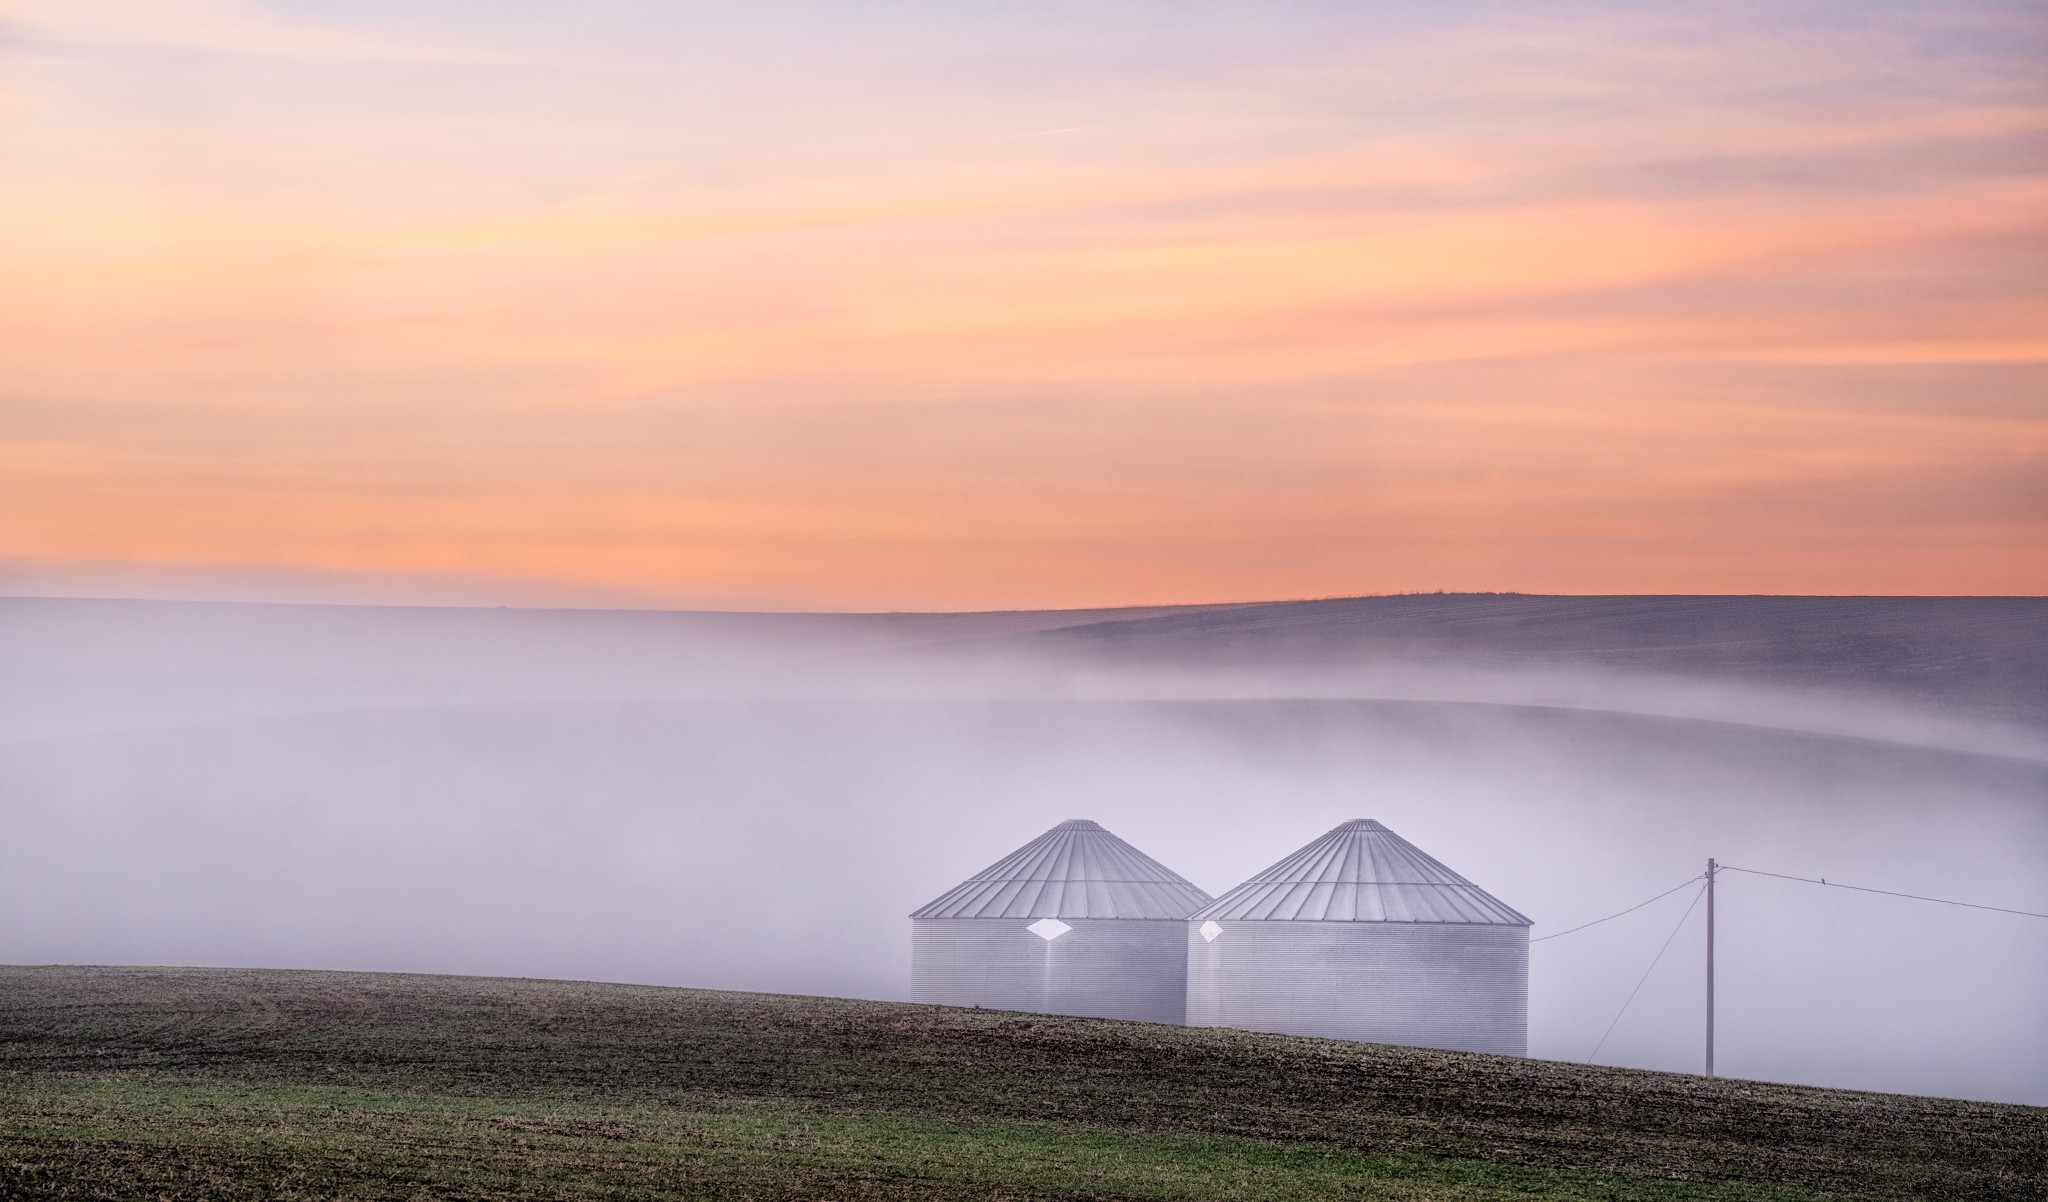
(183, 1083)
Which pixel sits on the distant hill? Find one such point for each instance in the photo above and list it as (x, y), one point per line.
(1985, 656)
(66, 664)
(195, 1083)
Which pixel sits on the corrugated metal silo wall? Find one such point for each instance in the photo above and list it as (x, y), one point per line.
(1429, 985)
(1102, 968)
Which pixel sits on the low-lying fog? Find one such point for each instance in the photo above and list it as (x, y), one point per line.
(758, 802)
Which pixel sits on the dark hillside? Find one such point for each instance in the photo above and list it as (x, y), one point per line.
(85, 664)
(1982, 656)
(227, 1083)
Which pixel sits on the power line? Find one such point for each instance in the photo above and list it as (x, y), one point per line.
(1611, 917)
(1864, 889)
(1646, 972)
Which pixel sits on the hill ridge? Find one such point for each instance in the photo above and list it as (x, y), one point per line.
(110, 1049)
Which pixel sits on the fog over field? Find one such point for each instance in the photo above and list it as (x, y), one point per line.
(757, 801)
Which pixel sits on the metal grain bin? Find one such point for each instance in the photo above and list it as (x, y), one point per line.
(1361, 935)
(1077, 921)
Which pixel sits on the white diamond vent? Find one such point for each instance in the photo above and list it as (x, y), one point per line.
(1048, 929)
(1210, 930)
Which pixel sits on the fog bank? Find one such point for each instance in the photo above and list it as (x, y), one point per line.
(758, 801)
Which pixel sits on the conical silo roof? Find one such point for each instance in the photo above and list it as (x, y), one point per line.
(1361, 872)
(1075, 870)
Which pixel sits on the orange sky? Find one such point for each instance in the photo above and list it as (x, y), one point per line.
(951, 307)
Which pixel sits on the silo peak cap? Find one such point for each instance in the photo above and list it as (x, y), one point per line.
(1360, 872)
(1075, 870)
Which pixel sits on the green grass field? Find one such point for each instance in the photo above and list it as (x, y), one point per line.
(192, 1083)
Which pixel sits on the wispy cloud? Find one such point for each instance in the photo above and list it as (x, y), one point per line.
(234, 27)
(787, 292)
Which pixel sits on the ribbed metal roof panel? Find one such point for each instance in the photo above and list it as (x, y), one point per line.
(1075, 870)
(1361, 872)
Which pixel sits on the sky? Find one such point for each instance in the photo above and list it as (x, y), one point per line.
(923, 306)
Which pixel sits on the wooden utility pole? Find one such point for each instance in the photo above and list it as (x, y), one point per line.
(1710, 967)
